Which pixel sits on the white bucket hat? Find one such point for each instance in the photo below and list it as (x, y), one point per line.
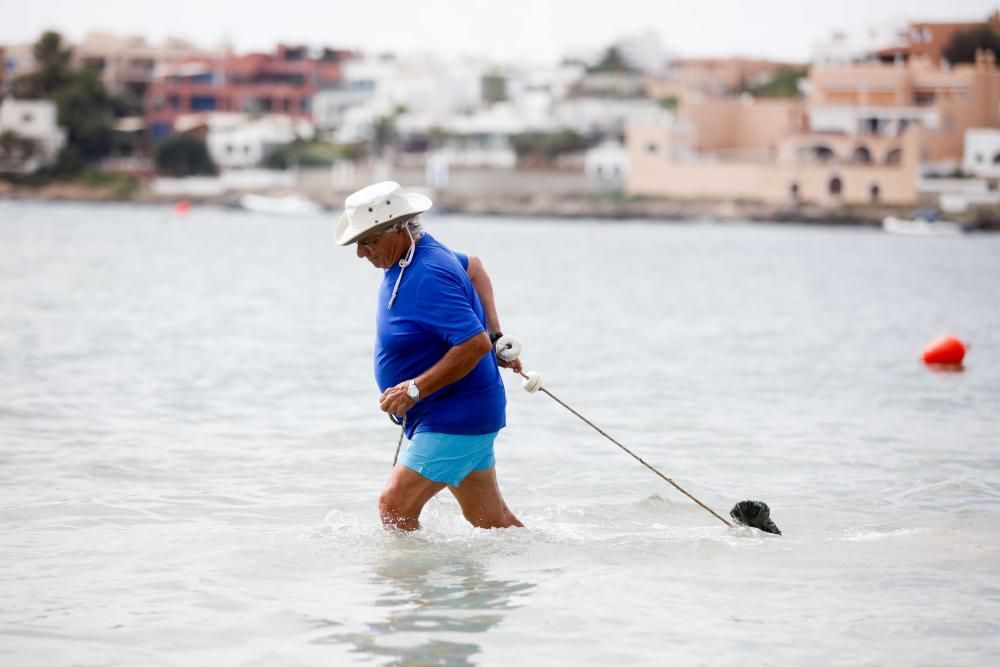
(375, 208)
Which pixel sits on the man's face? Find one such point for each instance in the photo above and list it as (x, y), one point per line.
(379, 249)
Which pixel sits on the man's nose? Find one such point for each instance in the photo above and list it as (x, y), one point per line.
(361, 250)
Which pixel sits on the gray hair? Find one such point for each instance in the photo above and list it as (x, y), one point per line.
(414, 225)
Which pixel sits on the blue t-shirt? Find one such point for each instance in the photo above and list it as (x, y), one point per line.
(436, 309)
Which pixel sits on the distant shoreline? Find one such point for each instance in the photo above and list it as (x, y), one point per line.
(610, 206)
(618, 208)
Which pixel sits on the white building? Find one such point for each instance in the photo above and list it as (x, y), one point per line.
(378, 87)
(551, 82)
(842, 48)
(981, 154)
(588, 115)
(330, 107)
(237, 141)
(483, 138)
(607, 162)
(34, 121)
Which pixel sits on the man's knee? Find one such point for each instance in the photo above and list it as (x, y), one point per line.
(394, 509)
(482, 517)
(389, 504)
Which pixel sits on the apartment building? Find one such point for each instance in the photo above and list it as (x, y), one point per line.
(127, 64)
(283, 82)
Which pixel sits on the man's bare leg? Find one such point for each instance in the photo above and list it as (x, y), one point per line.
(482, 504)
(404, 496)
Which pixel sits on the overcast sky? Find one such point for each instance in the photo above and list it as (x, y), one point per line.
(542, 30)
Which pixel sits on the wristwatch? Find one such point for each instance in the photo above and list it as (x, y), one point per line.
(495, 336)
(413, 391)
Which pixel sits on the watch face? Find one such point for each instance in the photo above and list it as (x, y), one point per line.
(413, 392)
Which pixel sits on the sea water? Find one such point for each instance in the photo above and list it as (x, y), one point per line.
(191, 448)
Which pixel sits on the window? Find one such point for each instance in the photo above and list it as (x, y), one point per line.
(861, 155)
(895, 156)
(160, 130)
(836, 186)
(652, 147)
(996, 158)
(793, 192)
(203, 103)
(874, 193)
(823, 153)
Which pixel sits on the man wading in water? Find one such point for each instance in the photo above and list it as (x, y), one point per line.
(434, 360)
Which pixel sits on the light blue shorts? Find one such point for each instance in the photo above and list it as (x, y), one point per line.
(447, 458)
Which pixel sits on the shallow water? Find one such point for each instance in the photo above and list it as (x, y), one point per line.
(191, 448)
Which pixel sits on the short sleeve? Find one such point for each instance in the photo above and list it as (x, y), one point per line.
(464, 259)
(444, 305)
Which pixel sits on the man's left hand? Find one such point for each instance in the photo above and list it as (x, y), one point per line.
(395, 401)
(514, 364)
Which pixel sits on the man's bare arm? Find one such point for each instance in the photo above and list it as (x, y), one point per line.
(452, 367)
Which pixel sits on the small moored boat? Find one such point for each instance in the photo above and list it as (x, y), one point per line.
(924, 222)
(287, 205)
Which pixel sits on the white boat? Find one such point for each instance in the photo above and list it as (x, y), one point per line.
(286, 205)
(920, 227)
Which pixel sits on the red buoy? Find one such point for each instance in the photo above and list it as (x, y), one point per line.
(946, 350)
(182, 207)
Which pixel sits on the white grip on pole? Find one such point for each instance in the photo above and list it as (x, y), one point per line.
(508, 348)
(532, 383)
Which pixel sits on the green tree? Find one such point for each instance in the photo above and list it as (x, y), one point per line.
(184, 155)
(669, 102)
(14, 145)
(963, 45)
(612, 61)
(52, 68)
(494, 87)
(784, 83)
(15, 149)
(306, 154)
(547, 146)
(86, 111)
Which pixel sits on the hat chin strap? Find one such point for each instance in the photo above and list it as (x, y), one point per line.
(403, 263)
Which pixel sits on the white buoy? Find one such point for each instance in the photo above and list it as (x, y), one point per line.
(532, 383)
(508, 348)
